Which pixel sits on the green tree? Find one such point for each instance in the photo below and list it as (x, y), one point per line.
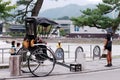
(64, 18)
(62, 32)
(28, 7)
(98, 17)
(5, 9)
(31, 8)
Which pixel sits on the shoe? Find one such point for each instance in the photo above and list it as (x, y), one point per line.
(108, 65)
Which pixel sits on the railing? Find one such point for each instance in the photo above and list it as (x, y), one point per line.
(69, 50)
(4, 55)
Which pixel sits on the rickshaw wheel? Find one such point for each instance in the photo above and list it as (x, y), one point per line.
(25, 53)
(41, 62)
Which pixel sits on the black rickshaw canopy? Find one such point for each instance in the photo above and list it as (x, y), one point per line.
(31, 24)
(45, 22)
(41, 21)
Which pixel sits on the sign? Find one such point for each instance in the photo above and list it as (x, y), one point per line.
(96, 52)
(59, 54)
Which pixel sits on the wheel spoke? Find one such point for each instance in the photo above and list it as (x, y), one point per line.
(24, 59)
(41, 62)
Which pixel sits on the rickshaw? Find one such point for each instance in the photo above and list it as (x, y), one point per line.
(36, 57)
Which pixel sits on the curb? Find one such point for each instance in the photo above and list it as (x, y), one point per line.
(3, 66)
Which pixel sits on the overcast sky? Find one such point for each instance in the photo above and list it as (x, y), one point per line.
(47, 4)
(60, 3)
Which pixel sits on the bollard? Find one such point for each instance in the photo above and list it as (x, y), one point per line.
(81, 59)
(15, 65)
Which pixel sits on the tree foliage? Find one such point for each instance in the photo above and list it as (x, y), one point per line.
(5, 9)
(64, 18)
(98, 17)
(28, 8)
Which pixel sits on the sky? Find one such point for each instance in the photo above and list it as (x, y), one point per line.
(47, 4)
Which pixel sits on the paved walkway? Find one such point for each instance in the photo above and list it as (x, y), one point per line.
(90, 66)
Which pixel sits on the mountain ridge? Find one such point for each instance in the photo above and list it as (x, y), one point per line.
(71, 10)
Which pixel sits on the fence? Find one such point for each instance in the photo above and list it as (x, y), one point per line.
(4, 55)
(69, 51)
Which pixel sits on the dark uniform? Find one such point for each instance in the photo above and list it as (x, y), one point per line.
(108, 46)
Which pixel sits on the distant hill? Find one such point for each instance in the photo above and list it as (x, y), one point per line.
(71, 10)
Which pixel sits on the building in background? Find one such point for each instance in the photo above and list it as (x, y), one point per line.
(15, 28)
(69, 28)
(81, 32)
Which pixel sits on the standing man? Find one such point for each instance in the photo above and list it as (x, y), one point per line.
(108, 46)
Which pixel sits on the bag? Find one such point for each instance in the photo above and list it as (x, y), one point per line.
(12, 51)
(104, 54)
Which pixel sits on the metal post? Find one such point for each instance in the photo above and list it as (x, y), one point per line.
(90, 51)
(2, 55)
(68, 51)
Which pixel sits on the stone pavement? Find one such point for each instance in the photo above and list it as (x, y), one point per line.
(90, 66)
